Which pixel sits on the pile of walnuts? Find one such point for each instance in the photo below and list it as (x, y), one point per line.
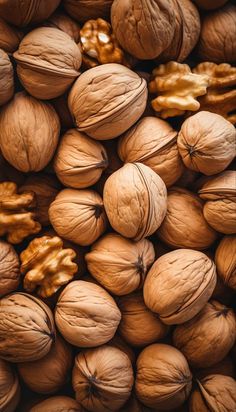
(117, 206)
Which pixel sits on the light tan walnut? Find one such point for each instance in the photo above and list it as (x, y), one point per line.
(47, 266)
(177, 89)
(225, 260)
(16, 221)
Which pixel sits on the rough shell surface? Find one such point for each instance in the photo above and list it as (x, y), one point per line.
(6, 78)
(9, 387)
(65, 23)
(225, 260)
(9, 269)
(83, 10)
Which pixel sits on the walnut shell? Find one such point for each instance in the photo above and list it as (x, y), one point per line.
(135, 200)
(78, 216)
(225, 367)
(179, 284)
(9, 269)
(26, 328)
(163, 377)
(65, 23)
(184, 225)
(217, 39)
(6, 78)
(206, 143)
(225, 260)
(120, 264)
(102, 379)
(83, 10)
(29, 131)
(48, 62)
(153, 142)
(213, 327)
(57, 404)
(9, 388)
(209, 5)
(60, 104)
(119, 343)
(86, 315)
(10, 37)
(105, 94)
(79, 161)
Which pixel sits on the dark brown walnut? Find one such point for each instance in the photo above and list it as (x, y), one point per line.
(48, 61)
(179, 284)
(60, 104)
(10, 37)
(184, 225)
(49, 374)
(9, 269)
(78, 216)
(209, 4)
(225, 367)
(217, 39)
(214, 393)
(86, 315)
(163, 379)
(206, 143)
(225, 260)
(29, 131)
(153, 142)
(79, 160)
(219, 193)
(9, 388)
(6, 78)
(63, 22)
(119, 343)
(110, 93)
(26, 328)
(83, 10)
(144, 29)
(120, 264)
(57, 404)
(135, 200)
(208, 337)
(139, 326)
(102, 379)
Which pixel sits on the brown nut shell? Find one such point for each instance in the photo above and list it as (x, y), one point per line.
(9, 269)
(83, 10)
(57, 404)
(102, 379)
(64, 23)
(225, 260)
(86, 315)
(10, 37)
(163, 379)
(6, 78)
(179, 284)
(209, 5)
(9, 388)
(225, 367)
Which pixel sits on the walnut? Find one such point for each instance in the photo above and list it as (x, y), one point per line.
(64, 403)
(119, 343)
(10, 37)
(177, 88)
(163, 379)
(6, 78)
(225, 367)
(9, 269)
(102, 379)
(209, 4)
(83, 10)
(46, 266)
(225, 260)
(16, 221)
(179, 284)
(27, 328)
(9, 387)
(65, 23)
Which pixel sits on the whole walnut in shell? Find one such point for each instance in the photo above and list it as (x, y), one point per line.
(225, 260)
(110, 93)
(163, 379)
(135, 200)
(217, 39)
(65, 23)
(208, 337)
(184, 225)
(48, 62)
(207, 143)
(78, 216)
(79, 161)
(57, 404)
(179, 284)
(86, 315)
(49, 374)
(83, 10)
(120, 264)
(102, 379)
(29, 131)
(9, 269)
(6, 78)
(26, 328)
(9, 388)
(10, 37)
(153, 142)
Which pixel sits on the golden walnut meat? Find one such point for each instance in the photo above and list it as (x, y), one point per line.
(83, 10)
(135, 200)
(163, 379)
(78, 216)
(9, 269)
(179, 284)
(208, 337)
(80, 160)
(29, 131)
(61, 21)
(27, 328)
(57, 404)
(184, 225)
(6, 78)
(48, 62)
(120, 265)
(86, 315)
(10, 37)
(153, 142)
(47, 266)
(16, 219)
(110, 93)
(207, 143)
(225, 260)
(9, 388)
(102, 379)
